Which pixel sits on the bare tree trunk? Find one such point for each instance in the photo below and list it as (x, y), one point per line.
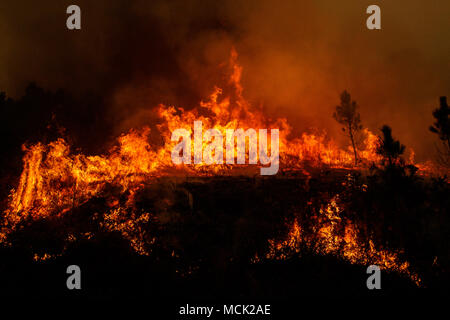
(353, 144)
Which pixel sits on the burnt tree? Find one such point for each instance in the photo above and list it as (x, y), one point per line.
(441, 127)
(346, 114)
(389, 148)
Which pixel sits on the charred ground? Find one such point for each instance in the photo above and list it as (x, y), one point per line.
(207, 231)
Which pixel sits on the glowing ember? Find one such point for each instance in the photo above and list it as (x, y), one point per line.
(334, 235)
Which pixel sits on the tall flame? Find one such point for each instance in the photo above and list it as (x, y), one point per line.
(54, 180)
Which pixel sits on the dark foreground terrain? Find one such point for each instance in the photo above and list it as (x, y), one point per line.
(204, 233)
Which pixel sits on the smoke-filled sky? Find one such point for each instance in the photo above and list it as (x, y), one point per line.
(298, 56)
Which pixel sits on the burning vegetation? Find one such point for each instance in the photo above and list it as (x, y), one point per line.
(137, 192)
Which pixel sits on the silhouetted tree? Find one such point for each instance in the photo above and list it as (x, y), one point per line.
(442, 128)
(347, 115)
(389, 148)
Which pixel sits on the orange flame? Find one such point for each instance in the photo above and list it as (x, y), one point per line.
(338, 236)
(54, 180)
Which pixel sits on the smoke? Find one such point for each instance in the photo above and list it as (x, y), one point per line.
(297, 57)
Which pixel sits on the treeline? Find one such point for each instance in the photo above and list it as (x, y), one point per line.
(390, 149)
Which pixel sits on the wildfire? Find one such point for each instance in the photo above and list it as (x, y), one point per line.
(55, 180)
(334, 235)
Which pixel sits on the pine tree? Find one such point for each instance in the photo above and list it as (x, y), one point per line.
(347, 115)
(389, 148)
(442, 128)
